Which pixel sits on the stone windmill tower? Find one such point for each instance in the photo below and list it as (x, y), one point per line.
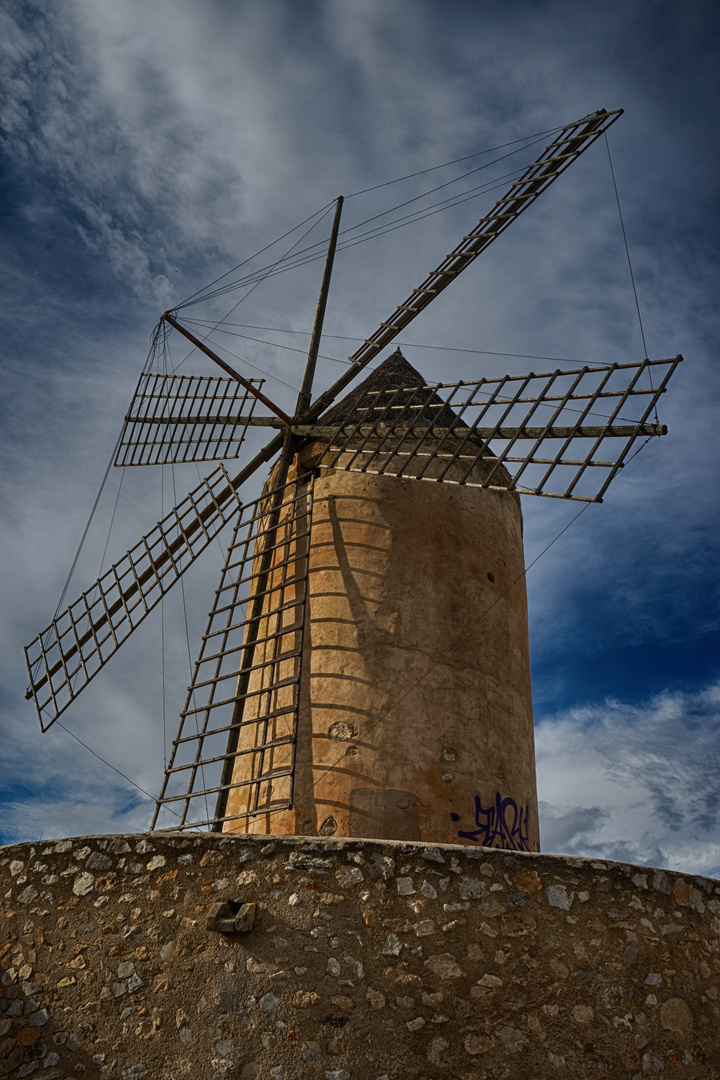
(414, 697)
(365, 668)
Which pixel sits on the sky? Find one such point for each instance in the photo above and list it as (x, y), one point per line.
(148, 149)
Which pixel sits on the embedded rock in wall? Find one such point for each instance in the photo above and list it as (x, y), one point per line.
(360, 959)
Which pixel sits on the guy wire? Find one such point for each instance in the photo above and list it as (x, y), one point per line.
(629, 262)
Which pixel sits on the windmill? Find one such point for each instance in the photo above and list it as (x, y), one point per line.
(341, 687)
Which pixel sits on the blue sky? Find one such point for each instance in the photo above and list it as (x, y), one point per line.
(146, 148)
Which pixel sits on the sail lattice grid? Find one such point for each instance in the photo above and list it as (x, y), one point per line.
(176, 418)
(562, 434)
(238, 731)
(78, 643)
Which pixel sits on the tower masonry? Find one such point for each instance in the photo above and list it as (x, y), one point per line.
(415, 707)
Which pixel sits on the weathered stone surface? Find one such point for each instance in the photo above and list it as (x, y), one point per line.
(83, 884)
(676, 1016)
(390, 563)
(426, 963)
(558, 897)
(98, 861)
(444, 966)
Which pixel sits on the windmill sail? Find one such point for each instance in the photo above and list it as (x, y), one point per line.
(78, 643)
(237, 735)
(572, 141)
(176, 418)
(562, 434)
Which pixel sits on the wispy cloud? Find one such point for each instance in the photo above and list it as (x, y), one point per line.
(634, 781)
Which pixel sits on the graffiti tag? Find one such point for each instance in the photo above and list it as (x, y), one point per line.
(502, 825)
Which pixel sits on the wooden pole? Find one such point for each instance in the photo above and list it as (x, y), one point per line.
(280, 479)
(226, 367)
(305, 394)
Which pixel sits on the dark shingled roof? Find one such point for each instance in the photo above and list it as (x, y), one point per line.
(393, 374)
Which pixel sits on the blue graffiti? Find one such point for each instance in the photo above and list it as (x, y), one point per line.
(504, 825)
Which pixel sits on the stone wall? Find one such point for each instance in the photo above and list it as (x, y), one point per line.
(367, 960)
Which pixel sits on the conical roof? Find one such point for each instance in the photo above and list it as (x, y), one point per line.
(395, 373)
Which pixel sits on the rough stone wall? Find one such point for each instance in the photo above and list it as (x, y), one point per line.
(368, 960)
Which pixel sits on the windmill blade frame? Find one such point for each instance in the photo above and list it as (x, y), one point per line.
(244, 698)
(180, 418)
(414, 432)
(79, 641)
(575, 139)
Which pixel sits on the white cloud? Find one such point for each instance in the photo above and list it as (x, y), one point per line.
(635, 782)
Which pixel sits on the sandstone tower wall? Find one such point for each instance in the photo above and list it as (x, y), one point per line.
(415, 718)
